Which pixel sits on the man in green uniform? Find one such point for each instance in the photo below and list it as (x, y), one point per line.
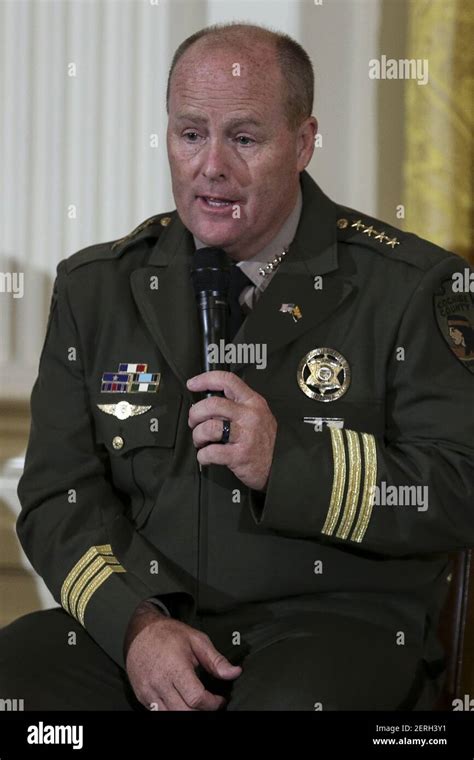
(282, 545)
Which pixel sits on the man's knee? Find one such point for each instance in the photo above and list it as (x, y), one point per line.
(312, 673)
(28, 644)
(49, 662)
(42, 629)
(275, 678)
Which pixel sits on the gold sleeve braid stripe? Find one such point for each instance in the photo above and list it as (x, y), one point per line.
(97, 581)
(347, 484)
(353, 486)
(339, 479)
(77, 570)
(370, 458)
(91, 570)
(83, 579)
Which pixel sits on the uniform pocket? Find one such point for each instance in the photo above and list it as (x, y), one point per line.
(140, 447)
(153, 426)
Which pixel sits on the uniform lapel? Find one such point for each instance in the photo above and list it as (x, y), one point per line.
(170, 311)
(313, 253)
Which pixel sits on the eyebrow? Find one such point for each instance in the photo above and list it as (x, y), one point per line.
(232, 123)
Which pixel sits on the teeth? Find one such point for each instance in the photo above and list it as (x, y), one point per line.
(216, 202)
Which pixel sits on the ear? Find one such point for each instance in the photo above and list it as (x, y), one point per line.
(307, 132)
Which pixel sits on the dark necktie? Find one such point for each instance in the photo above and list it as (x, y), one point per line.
(238, 281)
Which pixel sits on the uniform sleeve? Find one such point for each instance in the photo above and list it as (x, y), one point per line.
(160, 605)
(410, 490)
(73, 524)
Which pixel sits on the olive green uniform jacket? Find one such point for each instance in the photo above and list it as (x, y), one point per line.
(117, 510)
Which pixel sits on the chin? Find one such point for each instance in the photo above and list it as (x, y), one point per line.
(214, 241)
(212, 235)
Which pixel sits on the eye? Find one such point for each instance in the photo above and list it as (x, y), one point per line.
(244, 137)
(188, 136)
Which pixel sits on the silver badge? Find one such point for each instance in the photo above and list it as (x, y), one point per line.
(324, 374)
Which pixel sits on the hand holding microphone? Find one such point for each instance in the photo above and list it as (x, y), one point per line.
(239, 416)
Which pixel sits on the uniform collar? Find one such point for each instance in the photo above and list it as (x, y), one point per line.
(313, 249)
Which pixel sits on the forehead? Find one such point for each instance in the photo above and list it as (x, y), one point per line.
(217, 73)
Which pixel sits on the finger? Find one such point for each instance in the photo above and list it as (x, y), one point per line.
(157, 705)
(217, 453)
(195, 695)
(211, 431)
(175, 702)
(210, 408)
(217, 380)
(212, 660)
(165, 696)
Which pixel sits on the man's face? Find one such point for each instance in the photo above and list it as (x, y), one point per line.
(228, 138)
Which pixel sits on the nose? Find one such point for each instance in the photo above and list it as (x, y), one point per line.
(214, 160)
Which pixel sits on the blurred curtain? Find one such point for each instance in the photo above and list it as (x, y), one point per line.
(439, 166)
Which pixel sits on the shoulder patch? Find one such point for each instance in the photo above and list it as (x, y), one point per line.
(151, 227)
(454, 311)
(359, 229)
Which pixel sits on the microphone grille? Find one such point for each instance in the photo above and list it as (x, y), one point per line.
(210, 270)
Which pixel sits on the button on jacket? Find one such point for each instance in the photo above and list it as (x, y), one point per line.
(115, 508)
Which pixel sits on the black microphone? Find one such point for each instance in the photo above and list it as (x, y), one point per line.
(210, 275)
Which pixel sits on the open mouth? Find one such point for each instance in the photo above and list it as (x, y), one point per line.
(216, 202)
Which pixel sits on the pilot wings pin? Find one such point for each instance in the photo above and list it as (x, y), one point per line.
(123, 410)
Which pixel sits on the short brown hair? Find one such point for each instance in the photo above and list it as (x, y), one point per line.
(295, 63)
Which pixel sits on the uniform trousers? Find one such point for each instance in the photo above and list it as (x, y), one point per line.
(294, 656)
